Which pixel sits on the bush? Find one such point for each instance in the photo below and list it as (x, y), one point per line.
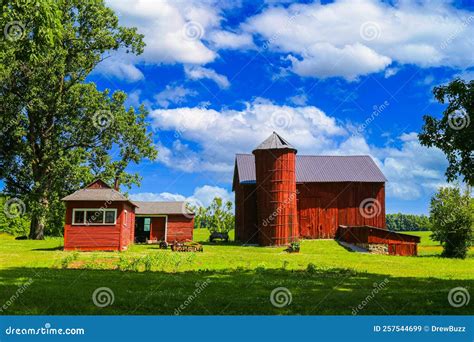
(311, 268)
(452, 221)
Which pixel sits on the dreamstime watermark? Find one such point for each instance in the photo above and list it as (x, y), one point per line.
(47, 329)
(16, 295)
(189, 206)
(278, 210)
(281, 297)
(279, 32)
(369, 31)
(102, 119)
(460, 29)
(14, 31)
(281, 119)
(459, 119)
(377, 288)
(369, 208)
(193, 30)
(200, 287)
(458, 297)
(14, 207)
(377, 110)
(103, 296)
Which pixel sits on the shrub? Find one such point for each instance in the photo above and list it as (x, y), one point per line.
(452, 221)
(311, 268)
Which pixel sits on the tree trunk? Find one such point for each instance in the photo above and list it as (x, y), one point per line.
(38, 220)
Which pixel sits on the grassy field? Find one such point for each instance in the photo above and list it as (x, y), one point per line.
(228, 279)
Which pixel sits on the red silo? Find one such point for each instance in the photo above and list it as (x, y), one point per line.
(275, 169)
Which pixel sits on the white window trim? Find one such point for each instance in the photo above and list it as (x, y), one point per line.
(93, 224)
(126, 218)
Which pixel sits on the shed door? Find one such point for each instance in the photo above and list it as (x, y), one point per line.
(158, 228)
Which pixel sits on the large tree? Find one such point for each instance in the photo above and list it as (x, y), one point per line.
(454, 132)
(58, 130)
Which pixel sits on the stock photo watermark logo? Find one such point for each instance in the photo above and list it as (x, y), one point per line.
(458, 297)
(376, 111)
(189, 206)
(279, 209)
(102, 119)
(377, 288)
(459, 119)
(281, 119)
(193, 30)
(281, 297)
(103, 297)
(277, 34)
(14, 207)
(200, 287)
(369, 208)
(14, 31)
(370, 30)
(16, 295)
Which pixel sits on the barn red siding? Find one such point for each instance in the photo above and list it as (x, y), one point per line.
(180, 228)
(322, 207)
(97, 237)
(157, 229)
(246, 228)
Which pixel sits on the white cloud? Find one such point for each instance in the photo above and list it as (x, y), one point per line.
(323, 42)
(202, 195)
(121, 70)
(230, 40)
(173, 95)
(198, 73)
(174, 30)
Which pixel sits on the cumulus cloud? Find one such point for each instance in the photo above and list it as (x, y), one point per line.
(120, 70)
(322, 42)
(173, 95)
(231, 40)
(198, 73)
(201, 195)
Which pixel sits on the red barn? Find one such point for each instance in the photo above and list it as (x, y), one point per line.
(280, 196)
(99, 217)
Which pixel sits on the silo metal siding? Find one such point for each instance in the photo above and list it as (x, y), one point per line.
(276, 196)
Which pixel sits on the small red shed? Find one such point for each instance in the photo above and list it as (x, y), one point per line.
(99, 217)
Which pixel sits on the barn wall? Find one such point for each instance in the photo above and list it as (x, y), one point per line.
(180, 228)
(99, 237)
(246, 229)
(322, 207)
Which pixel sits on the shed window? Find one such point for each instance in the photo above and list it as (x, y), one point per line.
(94, 216)
(146, 224)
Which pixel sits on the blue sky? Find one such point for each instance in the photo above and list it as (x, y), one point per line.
(344, 77)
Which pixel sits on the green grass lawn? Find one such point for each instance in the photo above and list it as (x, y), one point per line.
(228, 279)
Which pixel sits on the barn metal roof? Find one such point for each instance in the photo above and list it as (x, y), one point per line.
(162, 208)
(274, 141)
(320, 169)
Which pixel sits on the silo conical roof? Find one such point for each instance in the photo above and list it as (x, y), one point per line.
(274, 142)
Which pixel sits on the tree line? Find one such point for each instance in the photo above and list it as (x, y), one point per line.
(407, 222)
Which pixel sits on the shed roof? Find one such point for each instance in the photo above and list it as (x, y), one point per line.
(162, 208)
(103, 193)
(274, 142)
(319, 169)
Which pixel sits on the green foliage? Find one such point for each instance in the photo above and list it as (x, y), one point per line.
(16, 225)
(162, 261)
(69, 258)
(217, 217)
(453, 133)
(311, 268)
(407, 222)
(59, 131)
(452, 219)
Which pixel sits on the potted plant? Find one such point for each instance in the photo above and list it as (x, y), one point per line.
(293, 247)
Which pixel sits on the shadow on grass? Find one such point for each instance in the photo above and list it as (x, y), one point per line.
(227, 292)
(52, 249)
